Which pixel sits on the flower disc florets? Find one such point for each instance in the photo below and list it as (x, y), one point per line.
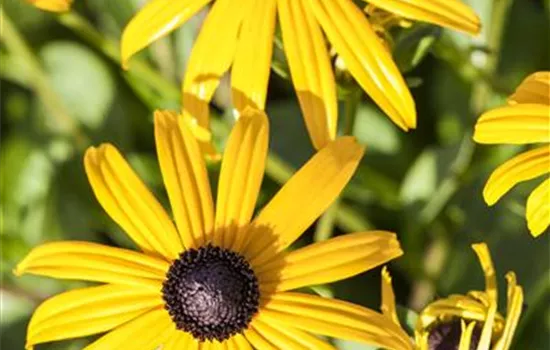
(446, 336)
(211, 293)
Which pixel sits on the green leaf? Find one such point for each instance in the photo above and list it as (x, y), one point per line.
(81, 79)
(375, 130)
(413, 45)
(421, 179)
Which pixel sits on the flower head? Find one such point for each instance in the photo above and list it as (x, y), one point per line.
(464, 322)
(212, 277)
(525, 120)
(239, 34)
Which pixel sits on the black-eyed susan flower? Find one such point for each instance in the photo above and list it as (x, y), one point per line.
(464, 322)
(239, 34)
(212, 279)
(52, 5)
(525, 120)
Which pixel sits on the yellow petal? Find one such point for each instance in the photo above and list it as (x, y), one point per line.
(302, 199)
(146, 332)
(466, 335)
(333, 318)
(250, 71)
(185, 178)
(513, 311)
(211, 56)
(257, 340)
(129, 203)
(516, 124)
(310, 69)
(447, 13)
(88, 311)
(491, 289)
(525, 166)
(329, 261)
(94, 262)
(287, 337)
(241, 175)
(538, 209)
(180, 340)
(238, 342)
(155, 20)
(52, 5)
(366, 58)
(534, 89)
(388, 298)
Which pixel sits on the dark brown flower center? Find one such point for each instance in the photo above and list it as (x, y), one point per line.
(211, 293)
(446, 336)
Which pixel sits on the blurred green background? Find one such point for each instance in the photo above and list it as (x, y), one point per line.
(63, 90)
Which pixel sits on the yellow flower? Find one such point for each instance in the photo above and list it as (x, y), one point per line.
(464, 322)
(239, 34)
(525, 120)
(52, 5)
(214, 278)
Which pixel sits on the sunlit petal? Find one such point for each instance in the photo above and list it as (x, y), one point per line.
(466, 335)
(513, 311)
(388, 297)
(287, 337)
(310, 69)
(534, 89)
(129, 203)
(538, 209)
(52, 5)
(180, 340)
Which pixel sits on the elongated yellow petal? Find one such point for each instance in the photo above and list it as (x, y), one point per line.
(94, 262)
(250, 71)
(388, 297)
(185, 178)
(486, 262)
(52, 5)
(155, 20)
(179, 340)
(211, 56)
(525, 166)
(329, 261)
(513, 311)
(538, 209)
(238, 342)
(257, 340)
(129, 203)
(87, 311)
(447, 13)
(466, 335)
(287, 337)
(310, 69)
(516, 124)
(146, 332)
(241, 175)
(333, 318)
(366, 58)
(534, 89)
(302, 199)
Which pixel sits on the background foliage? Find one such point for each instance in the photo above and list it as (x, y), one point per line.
(63, 89)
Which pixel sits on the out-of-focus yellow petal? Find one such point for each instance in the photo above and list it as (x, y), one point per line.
(146, 332)
(538, 209)
(366, 58)
(129, 203)
(513, 311)
(516, 124)
(466, 335)
(447, 13)
(88, 311)
(185, 178)
(211, 56)
(250, 71)
(155, 20)
(94, 262)
(388, 297)
(52, 5)
(241, 175)
(179, 340)
(534, 89)
(302, 199)
(525, 166)
(486, 262)
(333, 318)
(287, 337)
(310, 69)
(329, 261)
